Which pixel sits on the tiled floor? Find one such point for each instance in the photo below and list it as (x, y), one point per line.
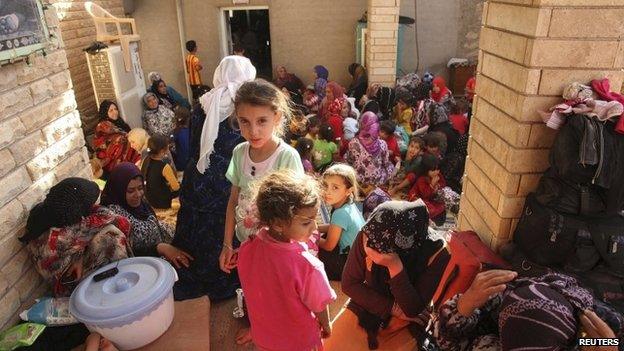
(223, 326)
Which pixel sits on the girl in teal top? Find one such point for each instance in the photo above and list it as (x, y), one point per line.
(340, 184)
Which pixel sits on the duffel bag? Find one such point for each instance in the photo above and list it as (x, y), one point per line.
(608, 237)
(571, 198)
(546, 236)
(605, 286)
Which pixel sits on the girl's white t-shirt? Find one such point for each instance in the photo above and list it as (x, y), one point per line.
(242, 171)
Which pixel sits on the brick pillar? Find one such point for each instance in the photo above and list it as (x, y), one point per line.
(528, 52)
(381, 41)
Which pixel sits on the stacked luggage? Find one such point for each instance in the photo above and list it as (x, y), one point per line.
(574, 222)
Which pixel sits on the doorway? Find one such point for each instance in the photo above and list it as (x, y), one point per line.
(247, 28)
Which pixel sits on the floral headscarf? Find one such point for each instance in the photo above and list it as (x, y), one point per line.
(368, 134)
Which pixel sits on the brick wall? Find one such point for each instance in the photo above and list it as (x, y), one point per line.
(78, 32)
(381, 41)
(40, 143)
(529, 51)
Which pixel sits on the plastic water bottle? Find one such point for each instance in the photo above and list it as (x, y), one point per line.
(50, 311)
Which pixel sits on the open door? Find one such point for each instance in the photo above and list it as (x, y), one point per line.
(247, 28)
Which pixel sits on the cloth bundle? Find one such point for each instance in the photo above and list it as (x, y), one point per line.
(579, 99)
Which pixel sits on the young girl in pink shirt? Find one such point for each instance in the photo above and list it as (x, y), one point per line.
(286, 290)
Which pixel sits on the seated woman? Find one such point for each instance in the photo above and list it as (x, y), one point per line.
(359, 82)
(69, 236)
(391, 275)
(291, 82)
(123, 194)
(170, 92)
(111, 139)
(321, 76)
(334, 96)
(368, 154)
(441, 94)
(499, 312)
(157, 118)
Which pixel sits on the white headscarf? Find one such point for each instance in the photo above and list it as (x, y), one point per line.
(218, 103)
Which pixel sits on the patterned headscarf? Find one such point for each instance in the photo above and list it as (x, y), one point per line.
(397, 227)
(368, 134)
(541, 312)
(401, 227)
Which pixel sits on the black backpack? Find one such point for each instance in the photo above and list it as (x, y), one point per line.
(571, 198)
(573, 243)
(546, 236)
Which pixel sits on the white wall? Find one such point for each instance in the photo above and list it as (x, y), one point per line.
(446, 28)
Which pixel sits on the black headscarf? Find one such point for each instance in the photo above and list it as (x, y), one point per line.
(103, 114)
(371, 106)
(386, 98)
(117, 185)
(359, 82)
(66, 204)
(160, 96)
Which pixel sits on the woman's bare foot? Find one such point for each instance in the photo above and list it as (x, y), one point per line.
(243, 337)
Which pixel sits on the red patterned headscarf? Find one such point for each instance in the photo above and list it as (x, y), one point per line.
(440, 83)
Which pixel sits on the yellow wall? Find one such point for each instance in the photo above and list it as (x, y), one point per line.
(303, 34)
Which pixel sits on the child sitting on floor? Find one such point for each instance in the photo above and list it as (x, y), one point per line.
(325, 150)
(161, 182)
(310, 99)
(314, 125)
(349, 126)
(374, 197)
(335, 120)
(386, 133)
(403, 111)
(347, 110)
(411, 165)
(286, 290)
(137, 138)
(340, 184)
(435, 144)
(304, 147)
(431, 188)
(458, 118)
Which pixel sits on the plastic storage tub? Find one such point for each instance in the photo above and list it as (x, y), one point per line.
(131, 308)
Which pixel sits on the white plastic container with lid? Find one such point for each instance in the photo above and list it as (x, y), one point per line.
(132, 305)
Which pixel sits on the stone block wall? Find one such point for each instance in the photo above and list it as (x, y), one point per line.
(78, 32)
(41, 142)
(529, 51)
(381, 41)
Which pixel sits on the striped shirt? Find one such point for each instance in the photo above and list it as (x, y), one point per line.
(191, 68)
